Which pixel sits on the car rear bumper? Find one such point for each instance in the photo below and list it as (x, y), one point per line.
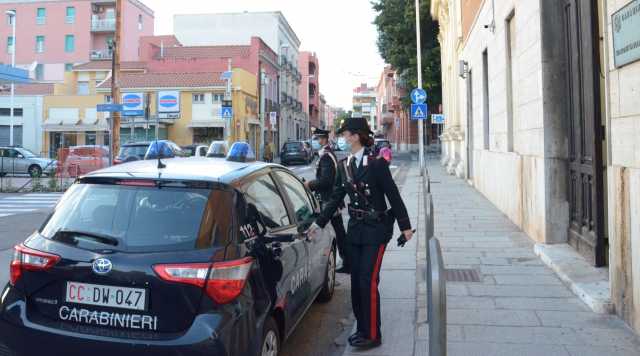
(26, 339)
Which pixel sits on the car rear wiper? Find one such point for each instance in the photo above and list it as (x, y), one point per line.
(71, 237)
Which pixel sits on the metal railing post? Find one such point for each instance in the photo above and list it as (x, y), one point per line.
(437, 307)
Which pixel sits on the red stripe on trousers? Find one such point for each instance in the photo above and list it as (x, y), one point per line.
(374, 294)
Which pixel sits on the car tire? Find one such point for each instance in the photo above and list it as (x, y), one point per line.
(270, 345)
(35, 171)
(329, 284)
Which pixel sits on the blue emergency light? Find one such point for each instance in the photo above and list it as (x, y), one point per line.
(159, 149)
(241, 152)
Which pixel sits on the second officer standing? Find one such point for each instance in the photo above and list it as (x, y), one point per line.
(323, 185)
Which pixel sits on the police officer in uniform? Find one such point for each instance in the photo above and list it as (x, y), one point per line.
(326, 174)
(367, 180)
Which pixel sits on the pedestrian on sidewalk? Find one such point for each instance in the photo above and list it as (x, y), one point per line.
(323, 186)
(268, 154)
(367, 180)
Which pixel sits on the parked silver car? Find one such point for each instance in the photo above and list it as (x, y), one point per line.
(18, 160)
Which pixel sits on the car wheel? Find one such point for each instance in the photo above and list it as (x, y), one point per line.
(329, 284)
(270, 339)
(35, 171)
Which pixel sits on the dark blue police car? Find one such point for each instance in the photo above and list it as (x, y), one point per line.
(200, 257)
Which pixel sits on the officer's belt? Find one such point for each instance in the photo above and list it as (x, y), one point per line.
(369, 215)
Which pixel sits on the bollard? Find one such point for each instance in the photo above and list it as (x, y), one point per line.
(437, 308)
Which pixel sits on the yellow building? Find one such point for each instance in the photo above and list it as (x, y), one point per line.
(186, 107)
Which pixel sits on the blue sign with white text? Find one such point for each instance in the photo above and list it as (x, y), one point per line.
(133, 104)
(226, 112)
(419, 111)
(437, 119)
(109, 107)
(418, 96)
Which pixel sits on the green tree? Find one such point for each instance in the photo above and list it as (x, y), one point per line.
(396, 24)
(338, 121)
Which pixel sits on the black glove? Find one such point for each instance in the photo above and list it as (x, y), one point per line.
(403, 240)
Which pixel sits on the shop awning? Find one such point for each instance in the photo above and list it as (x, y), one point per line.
(208, 123)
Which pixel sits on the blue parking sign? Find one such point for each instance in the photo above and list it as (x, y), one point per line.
(419, 111)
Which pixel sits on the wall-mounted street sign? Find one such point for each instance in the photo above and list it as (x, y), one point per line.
(418, 96)
(226, 112)
(419, 111)
(109, 107)
(437, 119)
(626, 34)
(169, 104)
(273, 119)
(226, 75)
(132, 104)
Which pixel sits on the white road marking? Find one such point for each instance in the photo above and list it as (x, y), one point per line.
(21, 204)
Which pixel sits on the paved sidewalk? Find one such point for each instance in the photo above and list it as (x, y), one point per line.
(519, 307)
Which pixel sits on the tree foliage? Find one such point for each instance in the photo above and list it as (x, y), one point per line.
(396, 23)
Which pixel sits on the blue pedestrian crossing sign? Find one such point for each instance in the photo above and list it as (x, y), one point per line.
(419, 111)
(418, 96)
(226, 112)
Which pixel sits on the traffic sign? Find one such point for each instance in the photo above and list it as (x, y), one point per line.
(437, 119)
(418, 96)
(226, 75)
(109, 107)
(226, 112)
(419, 111)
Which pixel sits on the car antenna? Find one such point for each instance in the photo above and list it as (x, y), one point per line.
(160, 164)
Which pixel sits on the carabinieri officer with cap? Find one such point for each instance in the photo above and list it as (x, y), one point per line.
(367, 180)
(323, 185)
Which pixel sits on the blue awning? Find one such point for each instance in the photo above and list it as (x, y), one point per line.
(12, 74)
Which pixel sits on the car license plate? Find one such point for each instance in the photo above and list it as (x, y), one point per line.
(106, 296)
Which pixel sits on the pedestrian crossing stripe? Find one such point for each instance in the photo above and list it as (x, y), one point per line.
(21, 204)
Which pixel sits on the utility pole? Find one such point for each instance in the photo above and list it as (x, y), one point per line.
(420, 122)
(12, 16)
(228, 122)
(115, 85)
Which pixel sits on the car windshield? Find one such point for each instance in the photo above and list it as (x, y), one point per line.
(141, 219)
(133, 151)
(293, 147)
(217, 150)
(26, 153)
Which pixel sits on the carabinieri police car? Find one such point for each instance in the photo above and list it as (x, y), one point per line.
(183, 256)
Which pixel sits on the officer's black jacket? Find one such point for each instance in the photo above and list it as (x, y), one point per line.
(377, 178)
(325, 176)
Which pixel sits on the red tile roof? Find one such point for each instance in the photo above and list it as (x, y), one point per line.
(106, 65)
(206, 51)
(168, 80)
(30, 89)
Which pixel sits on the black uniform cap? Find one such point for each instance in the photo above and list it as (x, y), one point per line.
(320, 132)
(355, 124)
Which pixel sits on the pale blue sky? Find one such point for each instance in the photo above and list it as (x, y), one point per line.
(339, 31)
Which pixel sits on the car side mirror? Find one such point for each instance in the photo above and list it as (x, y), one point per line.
(19, 156)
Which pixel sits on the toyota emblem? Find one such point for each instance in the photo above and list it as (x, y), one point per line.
(102, 266)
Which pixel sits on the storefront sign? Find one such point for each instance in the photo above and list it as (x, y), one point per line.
(626, 34)
(168, 101)
(132, 104)
(273, 119)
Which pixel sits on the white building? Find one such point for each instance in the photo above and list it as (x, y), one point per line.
(28, 113)
(275, 31)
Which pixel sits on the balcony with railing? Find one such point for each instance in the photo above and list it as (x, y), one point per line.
(98, 54)
(103, 24)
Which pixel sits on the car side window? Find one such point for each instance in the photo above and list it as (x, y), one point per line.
(297, 194)
(11, 153)
(262, 195)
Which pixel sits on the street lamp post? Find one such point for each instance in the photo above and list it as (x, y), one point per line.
(12, 15)
(419, 54)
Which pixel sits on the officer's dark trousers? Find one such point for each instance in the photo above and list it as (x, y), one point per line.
(341, 237)
(366, 261)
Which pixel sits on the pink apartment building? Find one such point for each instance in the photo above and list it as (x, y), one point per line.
(310, 86)
(56, 34)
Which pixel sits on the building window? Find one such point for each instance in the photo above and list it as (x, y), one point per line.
(198, 98)
(69, 43)
(90, 138)
(41, 15)
(510, 48)
(107, 99)
(10, 44)
(10, 19)
(140, 22)
(68, 67)
(40, 71)
(218, 98)
(71, 15)
(485, 98)
(7, 112)
(39, 44)
(83, 88)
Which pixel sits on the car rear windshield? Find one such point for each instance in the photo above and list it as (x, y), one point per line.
(141, 219)
(293, 147)
(136, 151)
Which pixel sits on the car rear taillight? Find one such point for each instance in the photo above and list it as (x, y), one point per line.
(26, 259)
(222, 281)
(116, 161)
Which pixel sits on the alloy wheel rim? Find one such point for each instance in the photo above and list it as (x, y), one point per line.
(270, 345)
(332, 271)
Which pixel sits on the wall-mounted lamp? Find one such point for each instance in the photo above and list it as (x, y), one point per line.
(463, 68)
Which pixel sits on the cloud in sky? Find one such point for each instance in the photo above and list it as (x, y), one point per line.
(339, 31)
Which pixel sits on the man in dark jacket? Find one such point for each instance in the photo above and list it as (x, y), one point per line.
(323, 185)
